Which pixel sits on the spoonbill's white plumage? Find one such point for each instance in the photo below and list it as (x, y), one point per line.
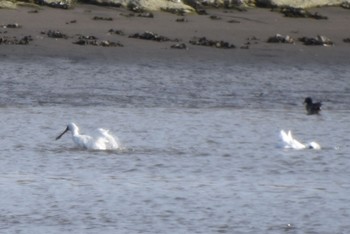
(102, 140)
(292, 143)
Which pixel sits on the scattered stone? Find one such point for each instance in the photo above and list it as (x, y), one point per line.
(234, 5)
(149, 36)
(115, 4)
(33, 11)
(14, 25)
(65, 4)
(176, 11)
(87, 37)
(215, 17)
(203, 41)
(14, 41)
(135, 8)
(347, 40)
(253, 38)
(319, 40)
(317, 16)
(72, 22)
(128, 15)
(181, 20)
(250, 41)
(233, 21)
(92, 40)
(300, 13)
(116, 31)
(61, 5)
(278, 38)
(146, 15)
(103, 18)
(141, 13)
(25, 40)
(181, 46)
(201, 11)
(106, 43)
(55, 34)
(294, 12)
(245, 46)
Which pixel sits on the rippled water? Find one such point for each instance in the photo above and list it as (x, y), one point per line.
(201, 148)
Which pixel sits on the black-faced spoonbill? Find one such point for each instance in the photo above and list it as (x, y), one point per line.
(102, 140)
(292, 143)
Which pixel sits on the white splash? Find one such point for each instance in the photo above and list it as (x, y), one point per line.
(292, 143)
(101, 140)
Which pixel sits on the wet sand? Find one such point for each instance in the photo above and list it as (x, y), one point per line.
(247, 30)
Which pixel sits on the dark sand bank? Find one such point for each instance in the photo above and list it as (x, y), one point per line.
(247, 30)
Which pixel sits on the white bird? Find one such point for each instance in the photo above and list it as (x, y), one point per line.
(102, 141)
(290, 142)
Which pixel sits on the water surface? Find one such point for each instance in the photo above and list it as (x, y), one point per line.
(201, 151)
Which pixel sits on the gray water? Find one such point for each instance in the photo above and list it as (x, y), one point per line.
(201, 151)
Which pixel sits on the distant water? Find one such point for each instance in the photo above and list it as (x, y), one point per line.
(201, 148)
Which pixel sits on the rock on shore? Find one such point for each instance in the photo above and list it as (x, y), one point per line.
(271, 3)
(301, 3)
(183, 5)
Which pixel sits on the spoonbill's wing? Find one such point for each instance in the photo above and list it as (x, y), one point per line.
(99, 143)
(295, 144)
(110, 141)
(290, 142)
(285, 138)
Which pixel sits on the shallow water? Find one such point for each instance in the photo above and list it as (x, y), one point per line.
(201, 148)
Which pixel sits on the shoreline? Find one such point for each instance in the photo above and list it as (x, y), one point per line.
(248, 31)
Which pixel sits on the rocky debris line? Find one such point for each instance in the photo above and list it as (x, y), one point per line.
(242, 5)
(214, 17)
(55, 34)
(146, 15)
(15, 41)
(278, 38)
(250, 41)
(301, 13)
(14, 25)
(187, 6)
(181, 46)
(117, 32)
(176, 11)
(72, 22)
(62, 4)
(200, 6)
(92, 40)
(319, 40)
(135, 8)
(151, 36)
(139, 10)
(102, 18)
(108, 3)
(203, 41)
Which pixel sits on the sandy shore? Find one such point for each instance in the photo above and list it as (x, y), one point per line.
(248, 31)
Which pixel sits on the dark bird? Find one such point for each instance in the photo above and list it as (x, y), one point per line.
(312, 108)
